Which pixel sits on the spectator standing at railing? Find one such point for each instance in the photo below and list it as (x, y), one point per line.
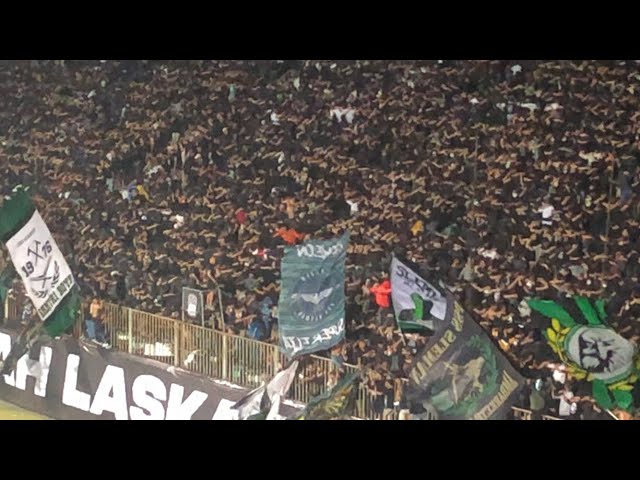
(6, 281)
(92, 318)
(257, 330)
(95, 325)
(339, 355)
(264, 308)
(27, 311)
(390, 404)
(536, 398)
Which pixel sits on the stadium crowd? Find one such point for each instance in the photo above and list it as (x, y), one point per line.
(502, 179)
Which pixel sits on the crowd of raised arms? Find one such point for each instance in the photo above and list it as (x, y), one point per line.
(502, 179)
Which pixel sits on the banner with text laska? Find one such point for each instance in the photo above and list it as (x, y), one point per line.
(311, 307)
(417, 304)
(69, 379)
(37, 259)
(461, 374)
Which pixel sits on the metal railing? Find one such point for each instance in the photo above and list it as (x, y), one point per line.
(220, 355)
(225, 356)
(523, 414)
(11, 308)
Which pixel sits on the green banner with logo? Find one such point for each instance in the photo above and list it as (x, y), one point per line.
(592, 351)
(337, 404)
(461, 374)
(311, 306)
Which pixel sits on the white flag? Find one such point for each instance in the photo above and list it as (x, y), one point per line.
(280, 384)
(276, 390)
(274, 412)
(250, 403)
(39, 262)
(405, 283)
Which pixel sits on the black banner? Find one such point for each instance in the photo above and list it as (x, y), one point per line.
(70, 380)
(461, 374)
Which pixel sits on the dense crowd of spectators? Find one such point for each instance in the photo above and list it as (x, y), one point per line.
(503, 179)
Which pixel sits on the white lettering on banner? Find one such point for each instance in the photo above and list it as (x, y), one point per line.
(147, 392)
(405, 282)
(225, 412)
(71, 396)
(112, 381)
(410, 279)
(329, 332)
(38, 369)
(296, 344)
(319, 251)
(179, 410)
(5, 349)
(41, 266)
(25, 367)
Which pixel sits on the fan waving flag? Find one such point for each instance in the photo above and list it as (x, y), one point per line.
(460, 374)
(39, 262)
(250, 404)
(311, 307)
(46, 276)
(256, 404)
(336, 404)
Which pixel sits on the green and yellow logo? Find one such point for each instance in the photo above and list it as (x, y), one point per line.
(593, 351)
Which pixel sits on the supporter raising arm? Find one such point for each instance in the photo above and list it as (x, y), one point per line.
(382, 293)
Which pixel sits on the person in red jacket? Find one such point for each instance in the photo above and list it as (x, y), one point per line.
(289, 235)
(382, 292)
(241, 216)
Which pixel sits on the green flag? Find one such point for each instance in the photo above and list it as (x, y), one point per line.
(311, 306)
(593, 351)
(37, 259)
(336, 404)
(460, 374)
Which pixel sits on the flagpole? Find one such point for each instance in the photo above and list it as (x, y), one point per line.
(473, 199)
(202, 307)
(475, 171)
(402, 334)
(221, 308)
(608, 221)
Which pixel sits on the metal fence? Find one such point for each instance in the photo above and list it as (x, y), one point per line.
(11, 307)
(220, 355)
(523, 414)
(225, 356)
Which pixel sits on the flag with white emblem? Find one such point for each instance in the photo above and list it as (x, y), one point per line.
(418, 305)
(47, 278)
(311, 307)
(44, 271)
